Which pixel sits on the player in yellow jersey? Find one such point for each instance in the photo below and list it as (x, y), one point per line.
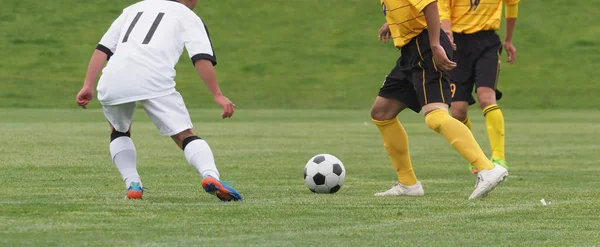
(472, 26)
(420, 81)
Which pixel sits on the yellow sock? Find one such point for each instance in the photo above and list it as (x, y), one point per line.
(459, 136)
(467, 123)
(395, 141)
(494, 121)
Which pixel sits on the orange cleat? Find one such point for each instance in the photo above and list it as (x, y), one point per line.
(221, 190)
(135, 191)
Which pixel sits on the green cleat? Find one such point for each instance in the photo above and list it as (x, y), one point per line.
(499, 161)
(494, 160)
(472, 169)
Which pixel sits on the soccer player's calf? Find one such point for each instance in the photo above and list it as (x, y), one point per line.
(123, 154)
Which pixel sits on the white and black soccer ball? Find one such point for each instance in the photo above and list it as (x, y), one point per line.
(324, 173)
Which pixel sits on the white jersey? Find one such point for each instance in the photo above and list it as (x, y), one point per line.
(144, 44)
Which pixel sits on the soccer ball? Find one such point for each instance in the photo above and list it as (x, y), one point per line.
(324, 173)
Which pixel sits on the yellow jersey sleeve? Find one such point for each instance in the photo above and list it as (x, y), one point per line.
(445, 9)
(420, 4)
(512, 8)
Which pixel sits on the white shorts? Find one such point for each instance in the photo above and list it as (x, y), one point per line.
(168, 113)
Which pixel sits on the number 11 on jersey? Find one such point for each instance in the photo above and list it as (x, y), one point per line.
(150, 32)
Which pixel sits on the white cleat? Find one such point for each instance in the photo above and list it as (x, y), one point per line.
(399, 189)
(487, 180)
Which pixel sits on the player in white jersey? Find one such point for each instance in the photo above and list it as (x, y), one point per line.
(142, 47)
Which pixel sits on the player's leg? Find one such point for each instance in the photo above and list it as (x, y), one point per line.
(462, 80)
(395, 140)
(487, 68)
(197, 152)
(459, 110)
(433, 88)
(435, 108)
(200, 156)
(122, 149)
(172, 118)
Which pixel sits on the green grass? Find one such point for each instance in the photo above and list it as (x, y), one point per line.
(59, 187)
(292, 54)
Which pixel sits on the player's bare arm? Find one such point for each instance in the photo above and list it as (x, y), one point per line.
(206, 70)
(447, 27)
(446, 16)
(384, 33)
(512, 11)
(511, 51)
(86, 93)
(433, 27)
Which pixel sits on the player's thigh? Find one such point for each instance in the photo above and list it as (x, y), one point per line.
(461, 90)
(487, 66)
(120, 116)
(462, 79)
(168, 113)
(431, 85)
(395, 95)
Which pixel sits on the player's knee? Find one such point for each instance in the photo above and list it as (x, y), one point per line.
(459, 113)
(116, 134)
(433, 107)
(180, 137)
(435, 117)
(483, 103)
(433, 124)
(380, 114)
(486, 96)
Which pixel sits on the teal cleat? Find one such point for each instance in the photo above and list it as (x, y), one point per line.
(135, 191)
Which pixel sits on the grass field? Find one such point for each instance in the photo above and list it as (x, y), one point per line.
(59, 188)
(292, 54)
(303, 74)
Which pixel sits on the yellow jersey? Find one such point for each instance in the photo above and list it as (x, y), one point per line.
(405, 18)
(471, 16)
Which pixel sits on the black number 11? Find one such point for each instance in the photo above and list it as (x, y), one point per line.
(150, 32)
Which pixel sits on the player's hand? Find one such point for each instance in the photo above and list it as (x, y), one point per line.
(226, 104)
(450, 35)
(440, 59)
(384, 33)
(511, 51)
(84, 96)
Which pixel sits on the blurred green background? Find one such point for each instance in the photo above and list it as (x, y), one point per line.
(291, 54)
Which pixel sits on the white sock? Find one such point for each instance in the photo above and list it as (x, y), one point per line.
(123, 155)
(199, 155)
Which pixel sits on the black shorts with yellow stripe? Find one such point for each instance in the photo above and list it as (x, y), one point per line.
(478, 64)
(415, 80)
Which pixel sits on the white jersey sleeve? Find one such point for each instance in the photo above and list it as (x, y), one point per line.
(196, 39)
(108, 43)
